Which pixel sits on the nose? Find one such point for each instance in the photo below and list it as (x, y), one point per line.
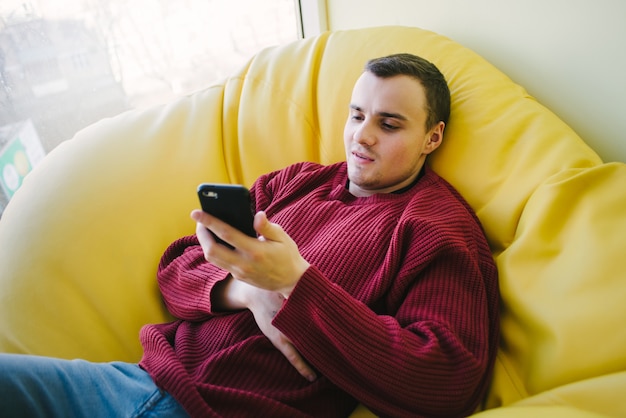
(364, 134)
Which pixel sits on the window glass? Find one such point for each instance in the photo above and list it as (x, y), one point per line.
(65, 64)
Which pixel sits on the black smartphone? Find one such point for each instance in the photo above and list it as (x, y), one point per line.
(229, 202)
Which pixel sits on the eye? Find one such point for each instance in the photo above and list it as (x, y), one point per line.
(388, 127)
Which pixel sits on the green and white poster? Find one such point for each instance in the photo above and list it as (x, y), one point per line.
(20, 151)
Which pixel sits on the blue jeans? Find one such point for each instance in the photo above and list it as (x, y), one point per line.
(32, 386)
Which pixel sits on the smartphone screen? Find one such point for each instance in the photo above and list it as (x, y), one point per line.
(229, 202)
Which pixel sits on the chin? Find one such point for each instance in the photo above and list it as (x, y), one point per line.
(364, 185)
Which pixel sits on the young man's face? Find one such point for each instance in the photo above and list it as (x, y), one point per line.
(385, 138)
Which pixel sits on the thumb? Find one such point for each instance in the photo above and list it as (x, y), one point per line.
(268, 230)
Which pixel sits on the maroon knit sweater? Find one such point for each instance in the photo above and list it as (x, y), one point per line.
(398, 311)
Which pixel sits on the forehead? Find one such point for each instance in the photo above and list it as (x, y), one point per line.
(399, 94)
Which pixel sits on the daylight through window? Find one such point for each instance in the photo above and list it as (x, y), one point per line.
(65, 64)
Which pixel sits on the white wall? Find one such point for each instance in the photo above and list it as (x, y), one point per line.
(569, 54)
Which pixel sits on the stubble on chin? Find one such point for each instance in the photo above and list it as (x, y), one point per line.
(361, 179)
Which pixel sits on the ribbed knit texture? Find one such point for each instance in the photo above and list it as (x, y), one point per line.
(398, 311)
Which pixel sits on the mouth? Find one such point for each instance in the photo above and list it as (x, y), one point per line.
(359, 156)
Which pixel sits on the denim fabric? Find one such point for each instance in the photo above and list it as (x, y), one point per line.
(32, 386)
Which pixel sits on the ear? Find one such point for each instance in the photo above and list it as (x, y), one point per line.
(434, 137)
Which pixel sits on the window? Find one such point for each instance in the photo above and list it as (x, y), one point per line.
(65, 64)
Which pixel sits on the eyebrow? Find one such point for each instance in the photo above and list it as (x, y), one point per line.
(383, 114)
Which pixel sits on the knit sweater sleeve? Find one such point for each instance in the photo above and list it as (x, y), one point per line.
(430, 358)
(186, 279)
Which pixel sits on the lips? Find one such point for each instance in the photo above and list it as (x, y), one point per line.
(361, 156)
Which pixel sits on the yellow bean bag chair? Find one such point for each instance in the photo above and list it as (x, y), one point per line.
(81, 239)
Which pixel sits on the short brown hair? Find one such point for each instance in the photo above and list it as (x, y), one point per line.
(434, 83)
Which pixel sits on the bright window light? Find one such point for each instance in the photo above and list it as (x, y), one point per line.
(65, 64)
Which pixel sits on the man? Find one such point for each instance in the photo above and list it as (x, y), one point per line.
(371, 281)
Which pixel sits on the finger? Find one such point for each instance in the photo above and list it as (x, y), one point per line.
(214, 252)
(204, 237)
(221, 229)
(196, 215)
(201, 217)
(293, 356)
(270, 231)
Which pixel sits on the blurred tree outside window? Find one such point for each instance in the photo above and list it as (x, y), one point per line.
(65, 64)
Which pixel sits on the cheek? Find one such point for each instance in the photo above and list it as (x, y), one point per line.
(347, 136)
(402, 158)
(399, 152)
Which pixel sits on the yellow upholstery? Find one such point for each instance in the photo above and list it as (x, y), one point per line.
(81, 239)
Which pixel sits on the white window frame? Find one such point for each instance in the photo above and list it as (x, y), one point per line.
(313, 19)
